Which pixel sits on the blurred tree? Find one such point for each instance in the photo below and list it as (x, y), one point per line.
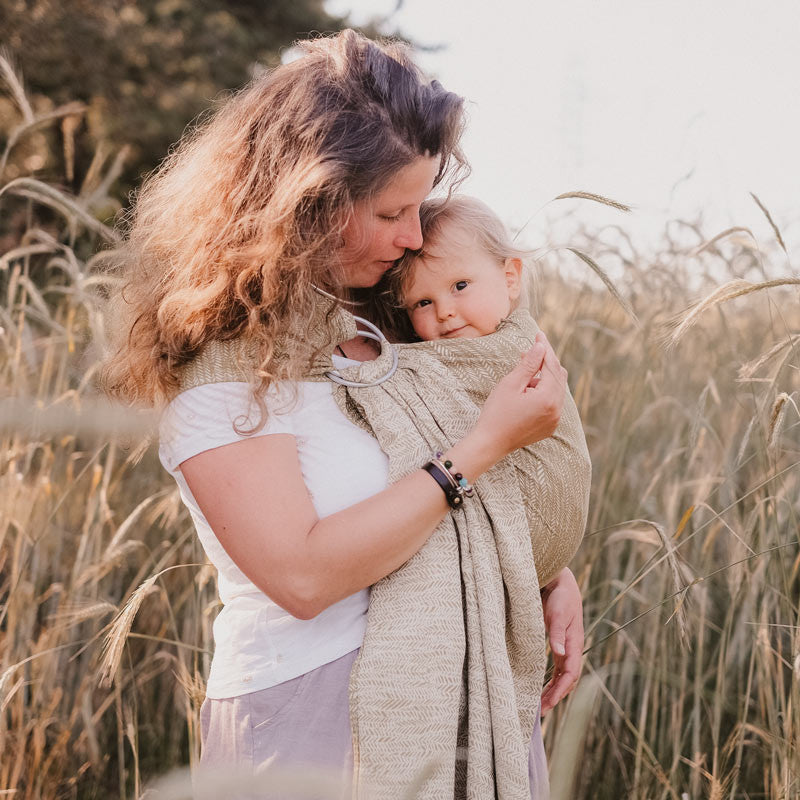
(144, 69)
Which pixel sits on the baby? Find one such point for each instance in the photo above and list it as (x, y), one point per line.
(467, 277)
(462, 283)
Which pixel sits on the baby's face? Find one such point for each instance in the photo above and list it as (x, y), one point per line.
(459, 290)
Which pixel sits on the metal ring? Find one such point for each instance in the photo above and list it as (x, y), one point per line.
(376, 334)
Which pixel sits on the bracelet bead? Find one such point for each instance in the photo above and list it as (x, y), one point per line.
(455, 486)
(444, 479)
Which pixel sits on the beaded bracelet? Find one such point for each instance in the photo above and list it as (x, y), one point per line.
(454, 485)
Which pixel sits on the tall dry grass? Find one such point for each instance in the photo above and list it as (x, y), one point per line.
(690, 569)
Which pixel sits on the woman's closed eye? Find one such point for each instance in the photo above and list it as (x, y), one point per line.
(390, 217)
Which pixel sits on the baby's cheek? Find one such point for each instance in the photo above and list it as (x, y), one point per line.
(418, 327)
(486, 329)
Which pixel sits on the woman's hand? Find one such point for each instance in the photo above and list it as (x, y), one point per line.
(526, 404)
(563, 620)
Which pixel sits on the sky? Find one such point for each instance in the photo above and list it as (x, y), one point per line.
(678, 108)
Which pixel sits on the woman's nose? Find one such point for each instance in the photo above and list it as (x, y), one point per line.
(410, 236)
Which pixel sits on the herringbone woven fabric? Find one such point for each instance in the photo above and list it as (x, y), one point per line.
(464, 613)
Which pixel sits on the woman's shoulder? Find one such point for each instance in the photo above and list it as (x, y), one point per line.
(218, 387)
(231, 361)
(217, 413)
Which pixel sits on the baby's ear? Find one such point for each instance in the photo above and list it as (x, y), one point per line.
(513, 273)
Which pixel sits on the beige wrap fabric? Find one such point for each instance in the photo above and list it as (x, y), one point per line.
(444, 693)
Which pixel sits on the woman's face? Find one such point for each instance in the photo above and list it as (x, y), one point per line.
(380, 231)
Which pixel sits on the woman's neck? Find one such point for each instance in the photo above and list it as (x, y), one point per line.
(360, 349)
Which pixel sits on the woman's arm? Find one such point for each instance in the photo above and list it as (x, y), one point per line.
(253, 496)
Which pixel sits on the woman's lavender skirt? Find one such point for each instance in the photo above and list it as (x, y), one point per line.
(303, 725)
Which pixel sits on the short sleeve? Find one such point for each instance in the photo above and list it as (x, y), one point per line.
(208, 416)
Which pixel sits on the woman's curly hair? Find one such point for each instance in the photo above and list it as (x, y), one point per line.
(230, 234)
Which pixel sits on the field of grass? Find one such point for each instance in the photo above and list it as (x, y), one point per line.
(690, 568)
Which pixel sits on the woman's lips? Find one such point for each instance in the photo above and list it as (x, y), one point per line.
(384, 266)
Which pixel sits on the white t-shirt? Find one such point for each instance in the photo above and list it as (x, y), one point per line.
(257, 643)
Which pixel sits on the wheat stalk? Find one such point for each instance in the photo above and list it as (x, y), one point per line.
(722, 235)
(746, 371)
(775, 228)
(121, 625)
(70, 110)
(626, 306)
(13, 80)
(91, 417)
(777, 417)
(207, 783)
(578, 195)
(722, 294)
(59, 201)
(596, 198)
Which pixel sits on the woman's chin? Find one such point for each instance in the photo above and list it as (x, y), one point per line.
(371, 275)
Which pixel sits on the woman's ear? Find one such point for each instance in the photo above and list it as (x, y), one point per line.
(513, 273)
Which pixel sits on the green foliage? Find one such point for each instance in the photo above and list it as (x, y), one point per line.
(144, 68)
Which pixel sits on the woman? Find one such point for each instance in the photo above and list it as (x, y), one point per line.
(309, 180)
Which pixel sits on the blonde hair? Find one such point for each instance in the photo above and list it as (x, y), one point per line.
(230, 234)
(473, 217)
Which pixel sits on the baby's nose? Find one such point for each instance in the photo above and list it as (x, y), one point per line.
(444, 310)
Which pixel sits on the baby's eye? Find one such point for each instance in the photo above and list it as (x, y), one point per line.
(461, 285)
(423, 303)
